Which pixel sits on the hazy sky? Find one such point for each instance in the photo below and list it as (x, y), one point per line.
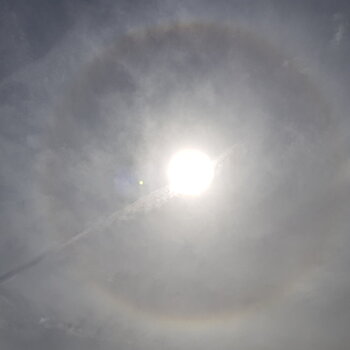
(96, 96)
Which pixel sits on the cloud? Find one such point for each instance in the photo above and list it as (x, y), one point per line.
(258, 261)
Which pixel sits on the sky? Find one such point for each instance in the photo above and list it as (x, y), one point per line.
(96, 96)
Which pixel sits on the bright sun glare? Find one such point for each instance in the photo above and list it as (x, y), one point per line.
(190, 172)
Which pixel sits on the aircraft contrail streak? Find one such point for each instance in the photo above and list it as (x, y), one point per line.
(144, 204)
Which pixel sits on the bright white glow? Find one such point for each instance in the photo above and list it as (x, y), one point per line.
(190, 172)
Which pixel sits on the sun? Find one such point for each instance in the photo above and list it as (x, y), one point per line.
(190, 172)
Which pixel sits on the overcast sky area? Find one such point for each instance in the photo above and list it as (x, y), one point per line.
(96, 96)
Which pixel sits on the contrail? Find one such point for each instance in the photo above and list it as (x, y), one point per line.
(145, 204)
